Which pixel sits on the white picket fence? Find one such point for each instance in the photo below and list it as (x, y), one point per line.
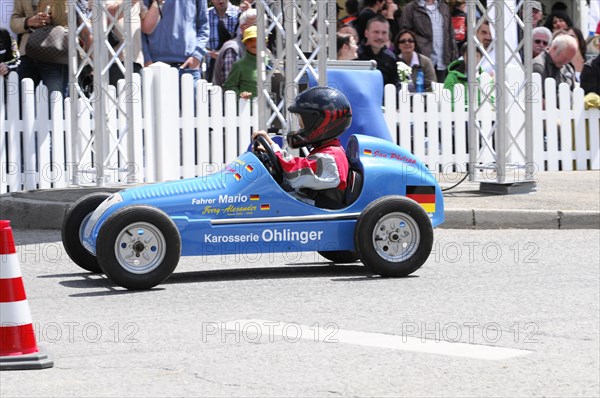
(565, 135)
(38, 148)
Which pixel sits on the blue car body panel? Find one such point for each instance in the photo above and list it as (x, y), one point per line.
(243, 210)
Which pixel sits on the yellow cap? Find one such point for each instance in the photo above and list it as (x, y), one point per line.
(250, 33)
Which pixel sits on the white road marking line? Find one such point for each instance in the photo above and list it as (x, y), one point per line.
(254, 330)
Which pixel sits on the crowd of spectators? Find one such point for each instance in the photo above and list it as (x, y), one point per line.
(182, 34)
(427, 34)
(206, 39)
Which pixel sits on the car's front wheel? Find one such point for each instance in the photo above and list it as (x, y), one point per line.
(138, 247)
(394, 236)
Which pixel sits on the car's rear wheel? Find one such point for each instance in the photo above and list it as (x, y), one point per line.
(341, 256)
(76, 218)
(394, 236)
(138, 247)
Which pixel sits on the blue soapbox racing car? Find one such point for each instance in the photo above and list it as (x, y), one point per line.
(136, 236)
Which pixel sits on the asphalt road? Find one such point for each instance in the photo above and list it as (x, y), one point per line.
(492, 313)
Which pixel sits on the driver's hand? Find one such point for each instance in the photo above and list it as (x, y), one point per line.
(265, 135)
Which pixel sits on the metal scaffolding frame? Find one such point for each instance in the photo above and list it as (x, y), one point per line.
(510, 139)
(301, 37)
(309, 23)
(105, 143)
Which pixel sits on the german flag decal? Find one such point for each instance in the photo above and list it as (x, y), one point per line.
(367, 152)
(265, 207)
(237, 176)
(249, 168)
(254, 197)
(423, 195)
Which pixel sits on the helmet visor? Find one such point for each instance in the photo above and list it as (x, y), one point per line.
(295, 138)
(296, 122)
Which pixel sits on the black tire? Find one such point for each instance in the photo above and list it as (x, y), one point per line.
(138, 247)
(75, 217)
(394, 236)
(341, 256)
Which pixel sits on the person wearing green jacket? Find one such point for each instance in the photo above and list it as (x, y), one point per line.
(242, 78)
(457, 74)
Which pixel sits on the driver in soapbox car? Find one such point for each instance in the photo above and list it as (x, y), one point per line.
(320, 178)
(375, 203)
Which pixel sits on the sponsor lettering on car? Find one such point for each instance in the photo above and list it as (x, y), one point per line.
(268, 235)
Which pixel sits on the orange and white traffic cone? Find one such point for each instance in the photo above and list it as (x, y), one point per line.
(18, 349)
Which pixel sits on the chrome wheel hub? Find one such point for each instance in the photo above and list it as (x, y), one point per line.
(396, 237)
(140, 248)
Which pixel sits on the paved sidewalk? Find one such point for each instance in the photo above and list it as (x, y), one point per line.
(561, 200)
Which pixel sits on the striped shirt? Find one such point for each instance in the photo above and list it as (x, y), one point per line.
(437, 26)
(230, 19)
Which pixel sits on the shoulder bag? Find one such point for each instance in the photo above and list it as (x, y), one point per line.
(49, 44)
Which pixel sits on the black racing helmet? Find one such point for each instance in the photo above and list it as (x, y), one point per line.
(325, 113)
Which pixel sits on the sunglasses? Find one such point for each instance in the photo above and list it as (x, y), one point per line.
(404, 41)
(544, 42)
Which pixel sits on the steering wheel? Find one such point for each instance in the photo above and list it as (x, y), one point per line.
(268, 158)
